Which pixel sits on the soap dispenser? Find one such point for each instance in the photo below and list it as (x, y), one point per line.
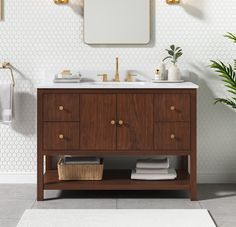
(157, 75)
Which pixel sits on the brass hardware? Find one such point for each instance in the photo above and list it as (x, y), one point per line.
(129, 77)
(172, 136)
(121, 122)
(61, 108)
(117, 75)
(172, 1)
(172, 108)
(104, 77)
(61, 136)
(113, 122)
(61, 1)
(7, 66)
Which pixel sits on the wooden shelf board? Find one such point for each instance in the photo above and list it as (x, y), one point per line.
(117, 180)
(115, 153)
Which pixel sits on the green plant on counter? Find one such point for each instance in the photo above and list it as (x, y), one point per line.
(174, 53)
(228, 75)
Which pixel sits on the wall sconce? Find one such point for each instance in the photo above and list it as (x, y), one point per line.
(172, 1)
(61, 1)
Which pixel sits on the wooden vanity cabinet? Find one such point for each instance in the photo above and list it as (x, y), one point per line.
(112, 122)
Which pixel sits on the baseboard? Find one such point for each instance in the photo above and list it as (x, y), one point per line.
(217, 178)
(18, 178)
(30, 178)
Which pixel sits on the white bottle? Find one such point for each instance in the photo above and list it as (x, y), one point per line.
(163, 72)
(157, 75)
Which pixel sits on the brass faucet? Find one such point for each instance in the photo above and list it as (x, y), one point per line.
(129, 77)
(117, 75)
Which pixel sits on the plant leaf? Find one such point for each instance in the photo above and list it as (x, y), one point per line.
(172, 47)
(178, 48)
(178, 55)
(166, 58)
(226, 101)
(170, 52)
(228, 76)
(230, 36)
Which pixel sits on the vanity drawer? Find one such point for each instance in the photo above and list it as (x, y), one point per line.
(61, 107)
(172, 107)
(61, 136)
(172, 136)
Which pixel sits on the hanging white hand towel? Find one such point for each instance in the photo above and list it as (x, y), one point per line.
(6, 103)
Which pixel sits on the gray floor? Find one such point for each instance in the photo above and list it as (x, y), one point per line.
(220, 200)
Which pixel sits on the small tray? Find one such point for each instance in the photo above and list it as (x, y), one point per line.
(167, 81)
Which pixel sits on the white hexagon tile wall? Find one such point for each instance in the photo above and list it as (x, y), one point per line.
(39, 37)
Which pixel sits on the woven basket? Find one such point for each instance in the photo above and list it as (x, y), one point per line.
(79, 172)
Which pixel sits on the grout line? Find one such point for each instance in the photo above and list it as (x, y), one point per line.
(33, 204)
(201, 205)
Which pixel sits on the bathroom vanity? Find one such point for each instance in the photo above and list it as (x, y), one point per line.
(117, 120)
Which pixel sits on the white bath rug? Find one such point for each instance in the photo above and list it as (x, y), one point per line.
(116, 218)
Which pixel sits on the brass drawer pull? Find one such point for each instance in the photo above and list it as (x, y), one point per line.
(113, 122)
(172, 108)
(61, 108)
(121, 122)
(172, 136)
(61, 136)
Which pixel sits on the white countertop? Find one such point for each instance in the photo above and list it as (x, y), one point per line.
(127, 85)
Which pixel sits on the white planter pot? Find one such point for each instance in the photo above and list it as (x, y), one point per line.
(174, 73)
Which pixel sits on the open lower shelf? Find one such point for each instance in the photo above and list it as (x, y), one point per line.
(117, 180)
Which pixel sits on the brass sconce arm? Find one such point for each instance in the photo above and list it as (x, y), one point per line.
(61, 1)
(172, 1)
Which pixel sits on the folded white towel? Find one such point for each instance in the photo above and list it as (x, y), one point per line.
(6, 103)
(148, 170)
(171, 175)
(153, 163)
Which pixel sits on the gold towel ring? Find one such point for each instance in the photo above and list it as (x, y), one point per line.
(7, 66)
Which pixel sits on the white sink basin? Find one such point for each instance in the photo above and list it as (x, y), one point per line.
(118, 83)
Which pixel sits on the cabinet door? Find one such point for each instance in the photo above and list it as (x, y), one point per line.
(136, 112)
(98, 132)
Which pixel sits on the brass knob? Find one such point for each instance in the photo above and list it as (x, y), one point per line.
(172, 108)
(113, 122)
(121, 122)
(61, 136)
(61, 108)
(172, 136)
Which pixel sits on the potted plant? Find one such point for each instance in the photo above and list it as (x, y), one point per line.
(174, 53)
(228, 75)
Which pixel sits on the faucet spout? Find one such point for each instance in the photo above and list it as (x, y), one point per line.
(117, 75)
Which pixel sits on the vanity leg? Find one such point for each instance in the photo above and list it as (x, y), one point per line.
(193, 177)
(193, 154)
(40, 191)
(184, 163)
(48, 162)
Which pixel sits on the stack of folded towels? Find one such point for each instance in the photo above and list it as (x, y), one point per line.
(66, 76)
(153, 169)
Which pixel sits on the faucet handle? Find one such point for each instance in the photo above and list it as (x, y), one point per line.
(104, 77)
(129, 77)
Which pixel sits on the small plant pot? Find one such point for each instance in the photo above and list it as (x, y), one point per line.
(174, 73)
